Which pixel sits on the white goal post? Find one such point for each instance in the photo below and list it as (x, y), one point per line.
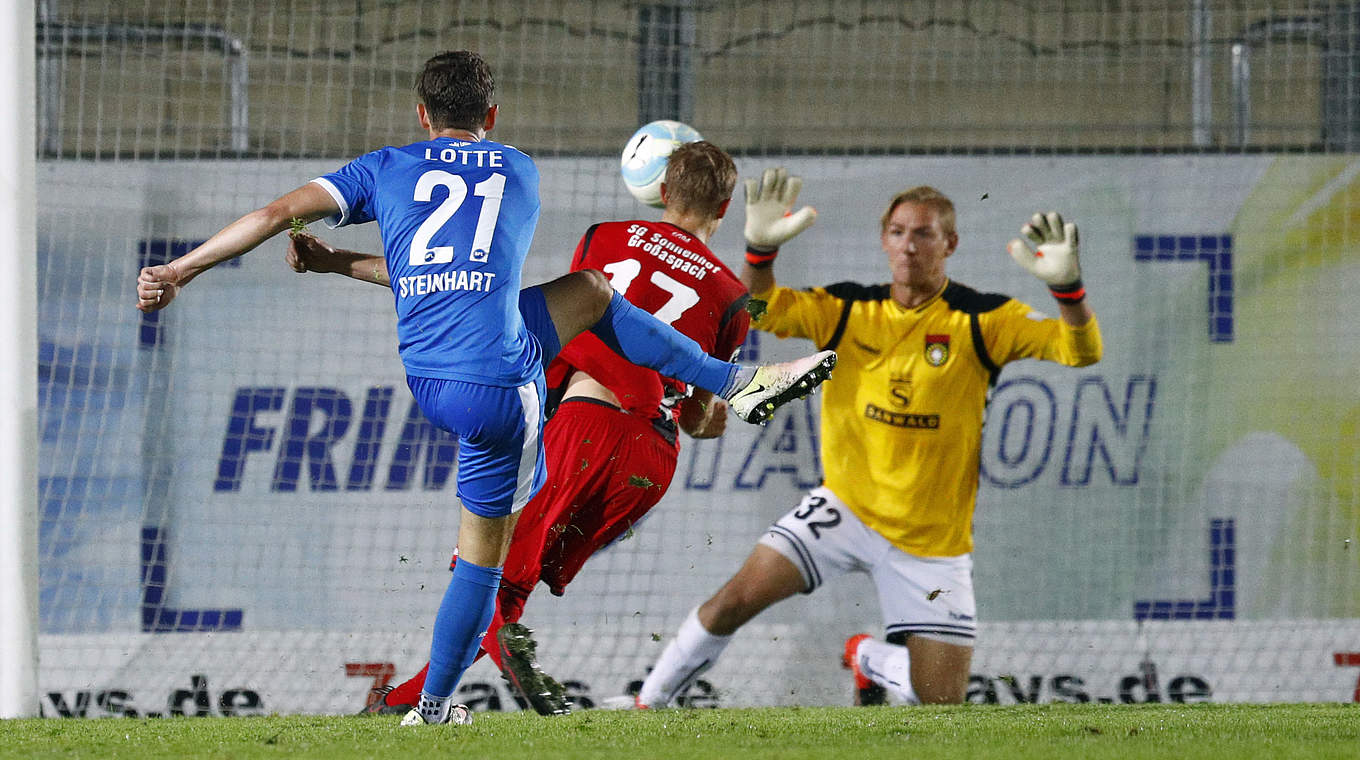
(18, 370)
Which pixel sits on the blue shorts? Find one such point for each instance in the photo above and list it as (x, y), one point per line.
(500, 430)
(534, 310)
(500, 439)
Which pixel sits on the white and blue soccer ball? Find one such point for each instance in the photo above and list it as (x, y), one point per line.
(644, 157)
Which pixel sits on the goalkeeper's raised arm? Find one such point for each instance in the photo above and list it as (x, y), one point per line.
(770, 223)
(1051, 255)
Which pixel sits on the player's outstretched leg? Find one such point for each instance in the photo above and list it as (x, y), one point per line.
(773, 385)
(520, 667)
(584, 300)
(753, 391)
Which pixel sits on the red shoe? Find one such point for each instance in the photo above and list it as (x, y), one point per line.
(519, 666)
(866, 691)
(378, 704)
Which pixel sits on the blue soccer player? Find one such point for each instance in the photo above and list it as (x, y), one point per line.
(457, 213)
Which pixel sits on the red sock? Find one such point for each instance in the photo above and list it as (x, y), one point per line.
(509, 607)
(510, 599)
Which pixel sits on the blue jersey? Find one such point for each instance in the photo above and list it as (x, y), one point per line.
(456, 218)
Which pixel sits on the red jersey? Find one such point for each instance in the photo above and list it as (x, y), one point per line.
(668, 272)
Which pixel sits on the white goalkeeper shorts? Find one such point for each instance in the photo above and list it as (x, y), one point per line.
(920, 596)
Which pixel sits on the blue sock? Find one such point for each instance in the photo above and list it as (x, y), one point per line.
(466, 611)
(648, 342)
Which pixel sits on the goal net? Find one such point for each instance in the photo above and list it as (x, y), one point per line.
(243, 512)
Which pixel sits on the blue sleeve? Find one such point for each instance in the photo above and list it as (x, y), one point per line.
(353, 186)
(531, 176)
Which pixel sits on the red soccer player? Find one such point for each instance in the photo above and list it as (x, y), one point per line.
(616, 423)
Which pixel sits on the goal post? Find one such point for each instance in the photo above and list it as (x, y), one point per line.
(18, 371)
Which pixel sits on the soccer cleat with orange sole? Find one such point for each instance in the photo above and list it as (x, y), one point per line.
(866, 691)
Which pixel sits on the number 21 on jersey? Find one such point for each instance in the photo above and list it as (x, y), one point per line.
(489, 190)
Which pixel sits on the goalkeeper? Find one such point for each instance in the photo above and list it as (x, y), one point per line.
(612, 441)
(901, 426)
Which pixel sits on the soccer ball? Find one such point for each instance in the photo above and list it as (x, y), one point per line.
(644, 157)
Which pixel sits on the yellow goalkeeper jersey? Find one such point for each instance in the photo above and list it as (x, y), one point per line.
(902, 413)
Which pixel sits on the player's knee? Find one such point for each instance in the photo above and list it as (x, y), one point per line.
(939, 672)
(940, 693)
(595, 290)
(577, 301)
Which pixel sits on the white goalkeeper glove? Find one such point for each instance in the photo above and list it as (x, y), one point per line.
(770, 219)
(1053, 257)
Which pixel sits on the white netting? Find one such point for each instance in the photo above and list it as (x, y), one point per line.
(235, 490)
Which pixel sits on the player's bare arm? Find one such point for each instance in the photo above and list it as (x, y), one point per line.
(158, 285)
(758, 279)
(1076, 315)
(576, 300)
(703, 415)
(309, 253)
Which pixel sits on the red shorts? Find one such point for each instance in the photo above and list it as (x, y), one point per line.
(606, 469)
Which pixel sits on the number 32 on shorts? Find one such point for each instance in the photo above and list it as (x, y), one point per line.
(826, 518)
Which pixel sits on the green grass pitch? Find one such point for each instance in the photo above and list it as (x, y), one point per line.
(973, 732)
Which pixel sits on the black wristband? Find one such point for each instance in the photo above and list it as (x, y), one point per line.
(760, 258)
(1073, 292)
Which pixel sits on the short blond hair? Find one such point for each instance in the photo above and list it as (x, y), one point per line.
(923, 195)
(700, 177)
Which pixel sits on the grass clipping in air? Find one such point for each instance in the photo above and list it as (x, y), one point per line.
(974, 732)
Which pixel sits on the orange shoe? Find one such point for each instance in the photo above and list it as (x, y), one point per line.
(866, 691)
(625, 702)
